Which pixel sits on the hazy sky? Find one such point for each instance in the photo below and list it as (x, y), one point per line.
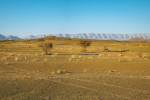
(25, 17)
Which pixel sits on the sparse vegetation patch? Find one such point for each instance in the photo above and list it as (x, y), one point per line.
(46, 48)
(84, 44)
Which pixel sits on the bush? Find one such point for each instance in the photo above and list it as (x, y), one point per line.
(140, 54)
(84, 44)
(106, 49)
(50, 37)
(46, 47)
(40, 40)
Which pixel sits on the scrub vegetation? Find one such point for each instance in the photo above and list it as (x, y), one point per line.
(54, 68)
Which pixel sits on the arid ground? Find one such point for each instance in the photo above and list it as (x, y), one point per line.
(120, 73)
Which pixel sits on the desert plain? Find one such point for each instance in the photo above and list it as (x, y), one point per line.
(122, 72)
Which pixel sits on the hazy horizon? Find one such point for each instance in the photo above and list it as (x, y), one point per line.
(38, 17)
(63, 33)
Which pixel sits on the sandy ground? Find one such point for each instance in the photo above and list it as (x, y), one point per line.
(68, 74)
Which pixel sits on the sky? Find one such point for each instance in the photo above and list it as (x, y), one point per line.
(35, 17)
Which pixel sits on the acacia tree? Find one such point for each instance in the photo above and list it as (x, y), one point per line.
(46, 48)
(84, 44)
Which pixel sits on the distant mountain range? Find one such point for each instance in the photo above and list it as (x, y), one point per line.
(10, 37)
(98, 36)
(95, 36)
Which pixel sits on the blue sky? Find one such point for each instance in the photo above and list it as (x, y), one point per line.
(34, 17)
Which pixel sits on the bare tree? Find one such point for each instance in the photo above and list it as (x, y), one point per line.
(84, 44)
(47, 47)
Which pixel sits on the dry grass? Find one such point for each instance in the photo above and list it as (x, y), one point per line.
(27, 73)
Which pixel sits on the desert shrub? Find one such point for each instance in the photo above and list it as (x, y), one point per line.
(140, 54)
(122, 50)
(50, 37)
(59, 71)
(106, 49)
(40, 40)
(46, 47)
(84, 44)
(2, 40)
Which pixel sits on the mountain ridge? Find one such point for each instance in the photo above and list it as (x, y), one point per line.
(10, 37)
(98, 36)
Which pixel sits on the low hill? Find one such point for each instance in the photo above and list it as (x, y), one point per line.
(140, 40)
